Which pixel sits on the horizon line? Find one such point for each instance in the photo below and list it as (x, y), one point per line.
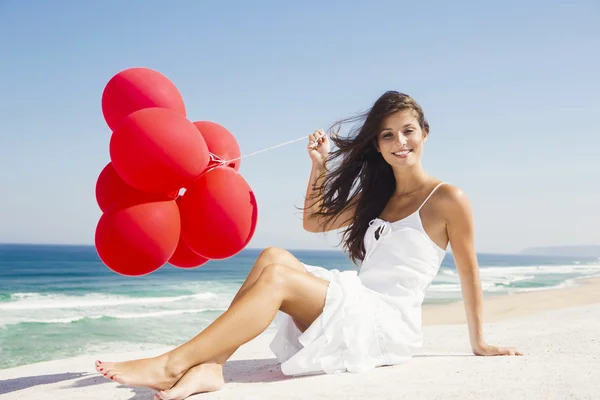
(449, 252)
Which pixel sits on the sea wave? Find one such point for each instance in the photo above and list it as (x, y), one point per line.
(39, 301)
(582, 269)
(516, 278)
(139, 315)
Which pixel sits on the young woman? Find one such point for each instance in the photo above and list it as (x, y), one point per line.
(398, 222)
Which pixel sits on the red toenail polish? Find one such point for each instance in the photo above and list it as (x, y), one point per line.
(101, 369)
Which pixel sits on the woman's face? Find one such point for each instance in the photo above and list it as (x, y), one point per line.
(400, 139)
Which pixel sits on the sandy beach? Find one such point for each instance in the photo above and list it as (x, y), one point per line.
(556, 329)
(496, 308)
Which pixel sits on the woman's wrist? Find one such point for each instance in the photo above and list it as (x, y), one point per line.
(318, 166)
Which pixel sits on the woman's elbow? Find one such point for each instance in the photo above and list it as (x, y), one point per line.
(310, 225)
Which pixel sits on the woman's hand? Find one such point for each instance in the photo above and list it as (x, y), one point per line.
(487, 350)
(318, 147)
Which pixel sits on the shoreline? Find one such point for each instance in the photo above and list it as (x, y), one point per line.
(495, 308)
(556, 329)
(560, 343)
(515, 305)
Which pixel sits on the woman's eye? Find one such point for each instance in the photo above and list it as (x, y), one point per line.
(409, 131)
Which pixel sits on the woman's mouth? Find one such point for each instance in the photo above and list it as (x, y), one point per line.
(402, 154)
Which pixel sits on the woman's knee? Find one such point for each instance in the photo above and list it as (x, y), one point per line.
(272, 253)
(276, 255)
(274, 275)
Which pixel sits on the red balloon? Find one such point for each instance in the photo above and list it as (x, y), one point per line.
(112, 191)
(140, 239)
(137, 88)
(184, 257)
(218, 214)
(158, 150)
(220, 141)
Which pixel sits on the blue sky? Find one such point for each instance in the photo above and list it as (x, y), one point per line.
(510, 90)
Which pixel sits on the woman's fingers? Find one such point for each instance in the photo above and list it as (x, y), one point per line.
(316, 138)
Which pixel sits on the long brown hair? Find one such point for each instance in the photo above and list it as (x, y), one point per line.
(361, 169)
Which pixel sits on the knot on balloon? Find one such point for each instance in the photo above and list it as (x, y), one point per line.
(155, 152)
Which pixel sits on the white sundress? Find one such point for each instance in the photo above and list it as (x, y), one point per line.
(372, 317)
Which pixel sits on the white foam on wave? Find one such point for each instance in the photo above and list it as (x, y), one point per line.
(61, 318)
(501, 279)
(38, 301)
(583, 269)
(155, 314)
(561, 285)
(455, 287)
(214, 286)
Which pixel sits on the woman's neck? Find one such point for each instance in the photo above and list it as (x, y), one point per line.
(410, 180)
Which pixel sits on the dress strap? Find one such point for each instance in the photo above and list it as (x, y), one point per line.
(430, 194)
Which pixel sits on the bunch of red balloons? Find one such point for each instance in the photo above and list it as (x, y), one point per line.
(155, 152)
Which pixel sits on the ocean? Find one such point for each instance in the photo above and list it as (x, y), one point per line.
(61, 301)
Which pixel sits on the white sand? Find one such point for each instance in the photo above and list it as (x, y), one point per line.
(496, 308)
(562, 361)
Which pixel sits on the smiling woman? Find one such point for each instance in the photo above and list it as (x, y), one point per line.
(398, 220)
(392, 136)
(402, 137)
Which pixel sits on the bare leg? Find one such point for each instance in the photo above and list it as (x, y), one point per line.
(278, 287)
(208, 376)
(271, 255)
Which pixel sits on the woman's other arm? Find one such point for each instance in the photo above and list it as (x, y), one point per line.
(459, 225)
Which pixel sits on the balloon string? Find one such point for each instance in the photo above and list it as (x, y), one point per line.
(263, 150)
(217, 161)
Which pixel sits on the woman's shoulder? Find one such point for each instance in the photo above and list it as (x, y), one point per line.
(450, 200)
(448, 192)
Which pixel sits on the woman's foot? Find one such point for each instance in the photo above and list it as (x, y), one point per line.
(199, 379)
(153, 373)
